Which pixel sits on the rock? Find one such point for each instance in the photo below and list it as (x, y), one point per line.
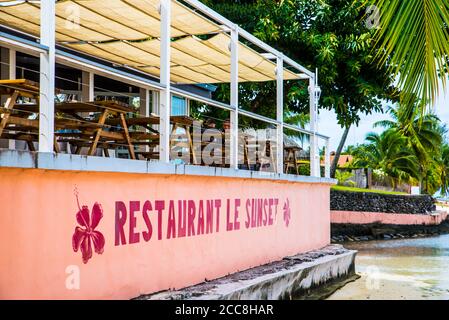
(386, 237)
(381, 231)
(375, 202)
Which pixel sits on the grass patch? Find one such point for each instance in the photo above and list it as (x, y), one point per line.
(351, 189)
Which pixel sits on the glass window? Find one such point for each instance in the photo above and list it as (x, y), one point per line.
(179, 106)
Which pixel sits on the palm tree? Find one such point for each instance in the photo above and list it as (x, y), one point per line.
(443, 164)
(423, 133)
(414, 40)
(389, 154)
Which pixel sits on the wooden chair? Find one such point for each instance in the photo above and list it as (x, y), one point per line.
(291, 160)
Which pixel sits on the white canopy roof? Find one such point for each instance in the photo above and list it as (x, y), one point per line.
(127, 32)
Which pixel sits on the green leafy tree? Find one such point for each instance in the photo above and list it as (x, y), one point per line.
(412, 149)
(443, 165)
(326, 34)
(424, 136)
(343, 177)
(388, 153)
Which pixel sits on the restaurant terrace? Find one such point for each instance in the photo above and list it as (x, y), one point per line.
(109, 102)
(162, 49)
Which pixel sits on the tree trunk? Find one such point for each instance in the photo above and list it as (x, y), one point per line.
(422, 180)
(339, 150)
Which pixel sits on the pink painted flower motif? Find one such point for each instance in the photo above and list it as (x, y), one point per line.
(287, 212)
(85, 234)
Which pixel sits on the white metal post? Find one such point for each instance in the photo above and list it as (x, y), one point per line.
(165, 96)
(155, 107)
(327, 159)
(87, 86)
(12, 63)
(155, 102)
(234, 152)
(314, 154)
(12, 75)
(47, 77)
(280, 114)
(91, 86)
(144, 102)
(8, 71)
(144, 110)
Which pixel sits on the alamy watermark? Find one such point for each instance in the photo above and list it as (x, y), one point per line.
(372, 278)
(72, 22)
(73, 278)
(372, 17)
(256, 148)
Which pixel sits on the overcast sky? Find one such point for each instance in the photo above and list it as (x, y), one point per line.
(328, 123)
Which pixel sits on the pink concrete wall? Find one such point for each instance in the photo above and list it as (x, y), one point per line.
(38, 219)
(355, 217)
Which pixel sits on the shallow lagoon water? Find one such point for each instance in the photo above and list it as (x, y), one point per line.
(400, 269)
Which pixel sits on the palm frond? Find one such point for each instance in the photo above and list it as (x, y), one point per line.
(413, 39)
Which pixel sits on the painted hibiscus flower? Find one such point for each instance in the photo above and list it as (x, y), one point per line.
(85, 235)
(287, 212)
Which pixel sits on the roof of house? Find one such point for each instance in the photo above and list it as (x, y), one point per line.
(343, 160)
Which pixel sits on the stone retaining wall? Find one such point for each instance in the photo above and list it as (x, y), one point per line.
(375, 202)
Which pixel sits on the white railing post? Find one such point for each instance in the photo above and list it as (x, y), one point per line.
(327, 159)
(12, 76)
(87, 86)
(144, 110)
(165, 96)
(47, 76)
(280, 115)
(12, 64)
(91, 86)
(155, 102)
(314, 154)
(234, 152)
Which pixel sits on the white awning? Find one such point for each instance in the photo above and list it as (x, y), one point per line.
(127, 32)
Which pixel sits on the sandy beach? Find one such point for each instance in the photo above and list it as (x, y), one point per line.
(410, 269)
(388, 288)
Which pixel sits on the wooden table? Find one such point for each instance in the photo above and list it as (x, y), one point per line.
(184, 122)
(16, 117)
(100, 133)
(14, 89)
(92, 132)
(110, 126)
